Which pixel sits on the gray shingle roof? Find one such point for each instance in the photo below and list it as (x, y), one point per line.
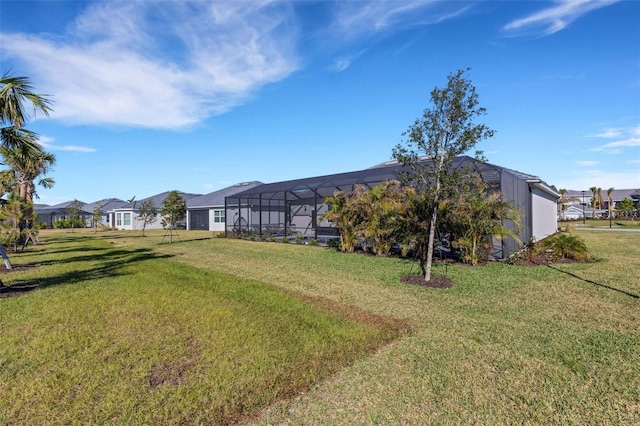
(216, 198)
(107, 204)
(55, 208)
(156, 199)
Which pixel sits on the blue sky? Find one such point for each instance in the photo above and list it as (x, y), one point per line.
(151, 96)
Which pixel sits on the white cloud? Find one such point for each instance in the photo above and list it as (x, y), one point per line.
(610, 132)
(342, 63)
(586, 163)
(48, 144)
(161, 65)
(355, 19)
(618, 146)
(555, 18)
(627, 138)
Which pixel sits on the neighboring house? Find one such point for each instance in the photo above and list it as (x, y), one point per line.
(296, 206)
(578, 198)
(107, 205)
(126, 217)
(572, 213)
(207, 212)
(47, 215)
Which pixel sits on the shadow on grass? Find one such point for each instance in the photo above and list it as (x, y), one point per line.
(109, 264)
(36, 251)
(68, 238)
(113, 255)
(626, 293)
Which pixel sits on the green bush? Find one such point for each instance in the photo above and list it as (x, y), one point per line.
(68, 223)
(333, 243)
(564, 246)
(10, 237)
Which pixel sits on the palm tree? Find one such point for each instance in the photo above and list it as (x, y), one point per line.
(562, 200)
(600, 199)
(594, 191)
(27, 164)
(476, 215)
(610, 200)
(344, 214)
(15, 92)
(384, 205)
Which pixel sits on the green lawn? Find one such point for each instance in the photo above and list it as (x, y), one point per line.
(126, 330)
(602, 223)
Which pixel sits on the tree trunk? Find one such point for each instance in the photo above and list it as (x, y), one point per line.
(432, 233)
(434, 216)
(3, 253)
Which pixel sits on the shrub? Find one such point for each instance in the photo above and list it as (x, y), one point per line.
(333, 243)
(564, 246)
(69, 223)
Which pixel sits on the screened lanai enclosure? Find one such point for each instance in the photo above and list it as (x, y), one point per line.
(295, 207)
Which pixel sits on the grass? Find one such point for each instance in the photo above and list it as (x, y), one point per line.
(128, 336)
(603, 223)
(128, 329)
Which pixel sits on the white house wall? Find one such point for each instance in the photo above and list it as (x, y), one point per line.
(136, 223)
(543, 214)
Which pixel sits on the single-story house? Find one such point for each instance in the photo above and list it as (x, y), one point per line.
(47, 215)
(126, 217)
(572, 213)
(296, 206)
(105, 205)
(207, 211)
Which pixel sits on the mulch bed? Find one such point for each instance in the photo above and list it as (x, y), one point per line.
(434, 282)
(444, 282)
(16, 290)
(543, 259)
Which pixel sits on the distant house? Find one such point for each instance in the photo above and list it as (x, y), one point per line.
(126, 217)
(579, 198)
(106, 205)
(47, 215)
(207, 212)
(572, 213)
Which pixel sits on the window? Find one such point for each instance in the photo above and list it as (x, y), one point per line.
(127, 219)
(218, 216)
(118, 219)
